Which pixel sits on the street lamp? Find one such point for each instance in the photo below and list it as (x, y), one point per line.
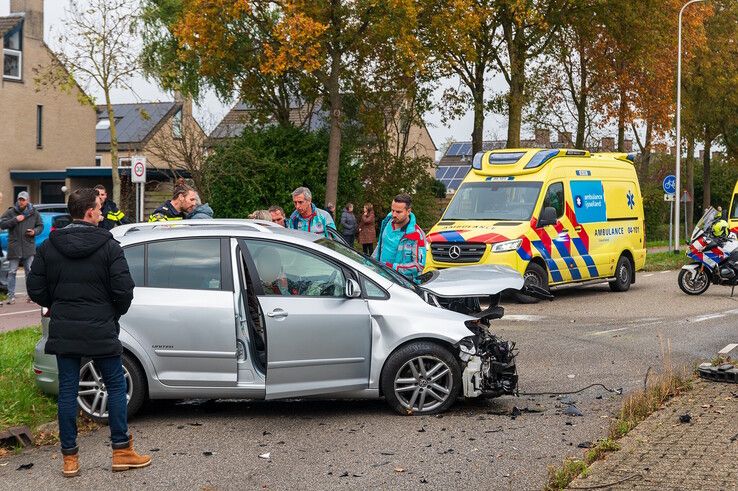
(679, 125)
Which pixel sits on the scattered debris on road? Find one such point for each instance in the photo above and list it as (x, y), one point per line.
(685, 418)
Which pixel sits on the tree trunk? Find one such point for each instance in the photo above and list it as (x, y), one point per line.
(622, 111)
(516, 99)
(690, 181)
(478, 94)
(334, 142)
(583, 98)
(706, 172)
(113, 148)
(646, 157)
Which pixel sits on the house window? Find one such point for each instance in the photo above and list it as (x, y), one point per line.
(124, 161)
(98, 160)
(51, 192)
(13, 55)
(39, 126)
(177, 124)
(103, 124)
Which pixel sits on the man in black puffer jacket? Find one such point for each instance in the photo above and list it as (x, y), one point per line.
(82, 276)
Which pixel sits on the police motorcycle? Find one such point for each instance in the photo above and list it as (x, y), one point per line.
(714, 250)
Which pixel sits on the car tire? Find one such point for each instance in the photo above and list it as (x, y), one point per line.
(623, 275)
(537, 275)
(435, 385)
(136, 389)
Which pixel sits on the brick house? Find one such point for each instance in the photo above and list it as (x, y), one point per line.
(45, 131)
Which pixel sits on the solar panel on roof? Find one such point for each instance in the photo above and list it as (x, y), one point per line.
(453, 149)
(454, 184)
(441, 172)
(465, 149)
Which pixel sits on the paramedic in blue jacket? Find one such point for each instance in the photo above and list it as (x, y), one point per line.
(401, 243)
(308, 217)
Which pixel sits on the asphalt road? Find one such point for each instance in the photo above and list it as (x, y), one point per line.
(585, 336)
(22, 313)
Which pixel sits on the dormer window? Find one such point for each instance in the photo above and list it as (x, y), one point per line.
(13, 55)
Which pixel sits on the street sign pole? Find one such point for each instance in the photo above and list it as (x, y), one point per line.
(671, 221)
(138, 176)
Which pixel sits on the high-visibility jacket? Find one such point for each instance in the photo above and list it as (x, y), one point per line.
(167, 212)
(112, 216)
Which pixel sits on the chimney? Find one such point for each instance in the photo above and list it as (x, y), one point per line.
(565, 138)
(542, 137)
(33, 10)
(186, 102)
(608, 144)
(628, 145)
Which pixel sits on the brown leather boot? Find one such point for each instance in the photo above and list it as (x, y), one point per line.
(127, 458)
(71, 465)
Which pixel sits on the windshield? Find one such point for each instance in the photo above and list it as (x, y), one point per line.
(708, 218)
(367, 261)
(494, 200)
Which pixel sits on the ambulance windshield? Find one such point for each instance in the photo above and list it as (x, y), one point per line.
(494, 200)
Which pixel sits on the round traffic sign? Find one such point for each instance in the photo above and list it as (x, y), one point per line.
(669, 184)
(139, 168)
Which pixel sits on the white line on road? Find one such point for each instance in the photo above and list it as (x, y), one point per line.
(18, 313)
(610, 330)
(707, 317)
(523, 317)
(647, 275)
(667, 271)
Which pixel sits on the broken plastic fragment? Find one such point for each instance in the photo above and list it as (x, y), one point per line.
(265, 455)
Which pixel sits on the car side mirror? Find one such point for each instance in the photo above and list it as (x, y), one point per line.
(548, 217)
(353, 290)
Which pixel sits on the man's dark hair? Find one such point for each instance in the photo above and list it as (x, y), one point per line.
(99, 187)
(276, 208)
(180, 190)
(80, 201)
(404, 198)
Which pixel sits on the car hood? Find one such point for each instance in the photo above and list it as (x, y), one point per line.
(473, 281)
(478, 231)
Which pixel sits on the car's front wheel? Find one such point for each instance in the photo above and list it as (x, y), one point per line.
(421, 378)
(93, 395)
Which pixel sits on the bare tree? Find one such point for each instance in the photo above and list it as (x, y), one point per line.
(98, 48)
(183, 149)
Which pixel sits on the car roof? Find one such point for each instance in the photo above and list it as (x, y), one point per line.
(146, 232)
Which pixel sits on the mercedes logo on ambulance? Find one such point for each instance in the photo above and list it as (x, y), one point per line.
(454, 252)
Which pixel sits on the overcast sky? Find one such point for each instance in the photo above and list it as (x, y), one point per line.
(212, 110)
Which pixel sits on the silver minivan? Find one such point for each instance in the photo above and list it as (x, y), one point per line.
(247, 309)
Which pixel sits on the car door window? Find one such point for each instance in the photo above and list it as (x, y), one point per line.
(187, 264)
(135, 259)
(288, 271)
(555, 198)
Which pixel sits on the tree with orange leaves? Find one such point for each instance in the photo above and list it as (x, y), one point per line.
(271, 52)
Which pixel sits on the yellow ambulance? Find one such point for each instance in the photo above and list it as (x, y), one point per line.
(559, 216)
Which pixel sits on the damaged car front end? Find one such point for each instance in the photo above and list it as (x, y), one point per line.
(488, 362)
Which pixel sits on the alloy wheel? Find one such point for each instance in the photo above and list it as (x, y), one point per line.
(93, 396)
(423, 383)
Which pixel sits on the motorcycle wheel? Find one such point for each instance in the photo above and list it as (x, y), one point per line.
(693, 282)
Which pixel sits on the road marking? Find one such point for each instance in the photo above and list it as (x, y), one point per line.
(647, 275)
(523, 317)
(610, 330)
(18, 313)
(667, 271)
(707, 317)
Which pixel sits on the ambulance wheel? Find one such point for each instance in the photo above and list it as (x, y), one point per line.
(623, 275)
(535, 275)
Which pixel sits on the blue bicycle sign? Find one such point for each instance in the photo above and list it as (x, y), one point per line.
(669, 184)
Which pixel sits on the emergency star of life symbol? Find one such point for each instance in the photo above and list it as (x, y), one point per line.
(454, 252)
(631, 200)
(578, 200)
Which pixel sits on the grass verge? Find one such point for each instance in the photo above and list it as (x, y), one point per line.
(21, 402)
(662, 261)
(636, 407)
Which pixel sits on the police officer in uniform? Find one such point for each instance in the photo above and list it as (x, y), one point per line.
(111, 215)
(184, 200)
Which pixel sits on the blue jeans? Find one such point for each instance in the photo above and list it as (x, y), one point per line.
(111, 370)
(14, 264)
